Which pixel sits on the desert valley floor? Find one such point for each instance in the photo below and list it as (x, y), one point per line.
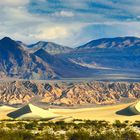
(122, 112)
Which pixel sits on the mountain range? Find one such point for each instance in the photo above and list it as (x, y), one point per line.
(62, 93)
(47, 60)
(16, 61)
(119, 54)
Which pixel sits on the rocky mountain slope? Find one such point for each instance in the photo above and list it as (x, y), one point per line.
(45, 60)
(49, 47)
(117, 43)
(63, 68)
(17, 62)
(121, 53)
(13, 92)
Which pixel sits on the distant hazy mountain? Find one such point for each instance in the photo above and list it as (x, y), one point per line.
(112, 43)
(121, 53)
(18, 62)
(50, 47)
(109, 55)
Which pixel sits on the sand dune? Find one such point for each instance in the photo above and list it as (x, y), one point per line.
(137, 107)
(108, 113)
(31, 112)
(122, 112)
(4, 110)
(6, 107)
(131, 110)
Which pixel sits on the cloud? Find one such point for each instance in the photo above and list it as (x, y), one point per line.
(69, 22)
(59, 33)
(13, 3)
(51, 33)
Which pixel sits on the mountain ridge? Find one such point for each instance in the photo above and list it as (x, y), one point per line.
(73, 93)
(18, 62)
(96, 57)
(50, 47)
(120, 53)
(119, 40)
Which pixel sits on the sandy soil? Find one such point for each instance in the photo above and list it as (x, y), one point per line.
(4, 110)
(107, 113)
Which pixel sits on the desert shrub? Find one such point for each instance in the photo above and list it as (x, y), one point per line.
(118, 124)
(137, 124)
(96, 124)
(30, 126)
(106, 136)
(24, 135)
(117, 135)
(48, 136)
(130, 135)
(16, 135)
(86, 130)
(79, 135)
(61, 124)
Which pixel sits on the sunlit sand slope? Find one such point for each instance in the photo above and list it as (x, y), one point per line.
(4, 110)
(31, 112)
(135, 108)
(108, 113)
(5, 107)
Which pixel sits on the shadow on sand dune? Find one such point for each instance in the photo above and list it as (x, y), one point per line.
(130, 110)
(126, 112)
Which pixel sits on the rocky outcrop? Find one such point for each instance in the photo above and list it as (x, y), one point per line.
(13, 92)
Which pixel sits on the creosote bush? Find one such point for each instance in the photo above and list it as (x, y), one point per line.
(75, 130)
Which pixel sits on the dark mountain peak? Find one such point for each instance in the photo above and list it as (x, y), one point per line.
(12, 52)
(8, 43)
(6, 39)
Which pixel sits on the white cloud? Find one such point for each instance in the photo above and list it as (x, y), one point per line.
(53, 33)
(11, 3)
(60, 33)
(64, 26)
(19, 24)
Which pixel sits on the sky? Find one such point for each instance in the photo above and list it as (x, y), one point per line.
(68, 22)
